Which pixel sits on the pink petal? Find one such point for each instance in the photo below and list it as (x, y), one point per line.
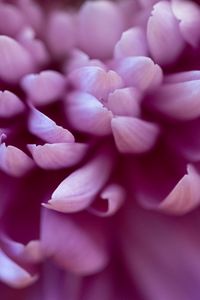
(188, 15)
(79, 189)
(111, 200)
(13, 275)
(133, 135)
(124, 102)
(46, 129)
(162, 33)
(11, 19)
(10, 104)
(180, 101)
(14, 161)
(57, 156)
(15, 60)
(140, 72)
(107, 24)
(132, 43)
(86, 114)
(77, 246)
(95, 80)
(182, 76)
(43, 88)
(61, 33)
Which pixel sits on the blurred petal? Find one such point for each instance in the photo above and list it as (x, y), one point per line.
(43, 88)
(106, 21)
(14, 161)
(95, 80)
(162, 33)
(11, 19)
(46, 129)
(57, 156)
(77, 245)
(87, 114)
(133, 135)
(110, 201)
(182, 76)
(10, 104)
(80, 188)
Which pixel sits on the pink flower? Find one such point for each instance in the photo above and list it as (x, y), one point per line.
(99, 150)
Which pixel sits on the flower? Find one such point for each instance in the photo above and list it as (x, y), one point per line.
(99, 150)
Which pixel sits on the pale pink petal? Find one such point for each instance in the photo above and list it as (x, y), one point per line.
(13, 275)
(125, 102)
(140, 72)
(163, 35)
(43, 88)
(14, 161)
(87, 114)
(77, 245)
(11, 19)
(100, 25)
(95, 80)
(10, 104)
(132, 43)
(80, 188)
(180, 101)
(110, 201)
(182, 76)
(133, 135)
(60, 33)
(57, 156)
(188, 15)
(45, 128)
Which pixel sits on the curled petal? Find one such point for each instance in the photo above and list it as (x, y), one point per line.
(124, 102)
(80, 188)
(140, 72)
(185, 196)
(43, 88)
(11, 19)
(77, 246)
(111, 199)
(87, 114)
(162, 33)
(133, 135)
(106, 21)
(95, 80)
(10, 104)
(188, 14)
(132, 43)
(13, 275)
(15, 60)
(46, 129)
(14, 161)
(57, 156)
(180, 101)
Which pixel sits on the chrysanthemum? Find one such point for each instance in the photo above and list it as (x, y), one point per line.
(99, 150)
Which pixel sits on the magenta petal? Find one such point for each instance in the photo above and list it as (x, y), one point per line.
(15, 60)
(162, 33)
(133, 135)
(46, 129)
(180, 101)
(95, 80)
(14, 275)
(106, 21)
(87, 114)
(57, 156)
(188, 15)
(182, 76)
(132, 43)
(80, 188)
(140, 72)
(125, 102)
(113, 197)
(76, 246)
(10, 104)
(43, 88)
(14, 161)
